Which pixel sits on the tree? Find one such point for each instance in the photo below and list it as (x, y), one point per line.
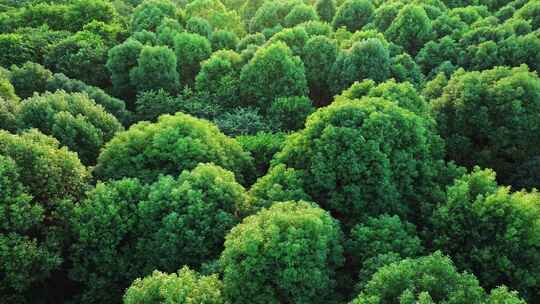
(426, 280)
(9, 111)
(29, 78)
(262, 147)
(353, 15)
(13, 50)
(290, 113)
(491, 118)
(150, 13)
(156, 69)
(223, 40)
(220, 78)
(82, 56)
(294, 245)
(300, 14)
(319, 55)
(82, 12)
(368, 58)
(74, 119)
(326, 9)
(242, 121)
(121, 60)
(169, 146)
(499, 247)
(185, 287)
(190, 50)
(383, 238)
(274, 72)
(199, 26)
(352, 156)
(411, 29)
(170, 223)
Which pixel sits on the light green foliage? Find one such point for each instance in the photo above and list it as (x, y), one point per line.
(295, 38)
(289, 251)
(185, 287)
(257, 39)
(173, 144)
(7, 91)
(319, 55)
(371, 243)
(290, 113)
(491, 118)
(220, 78)
(50, 173)
(82, 56)
(426, 280)
(74, 119)
(491, 232)
(9, 110)
(368, 58)
(29, 78)
(190, 50)
(156, 69)
(411, 29)
(353, 14)
(300, 14)
(150, 13)
(218, 16)
(170, 223)
(272, 73)
(326, 9)
(262, 147)
(353, 156)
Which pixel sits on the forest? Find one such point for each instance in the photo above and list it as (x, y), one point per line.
(269, 151)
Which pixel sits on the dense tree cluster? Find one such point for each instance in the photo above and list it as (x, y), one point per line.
(269, 151)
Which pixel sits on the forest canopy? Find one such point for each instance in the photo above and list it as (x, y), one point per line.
(269, 151)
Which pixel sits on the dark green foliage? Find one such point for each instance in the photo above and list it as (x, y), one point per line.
(274, 72)
(262, 147)
(353, 15)
(29, 78)
(185, 287)
(491, 118)
(490, 231)
(152, 104)
(404, 68)
(527, 175)
(294, 244)
(223, 40)
(13, 50)
(220, 78)
(156, 69)
(241, 121)
(74, 119)
(190, 50)
(326, 9)
(82, 12)
(173, 222)
(82, 56)
(319, 55)
(380, 240)
(290, 113)
(426, 280)
(173, 144)
(121, 59)
(353, 156)
(368, 58)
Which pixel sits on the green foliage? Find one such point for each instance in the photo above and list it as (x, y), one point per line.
(7, 91)
(411, 29)
(353, 156)
(152, 104)
(220, 78)
(294, 244)
(300, 14)
(82, 12)
(319, 55)
(150, 13)
(262, 147)
(9, 110)
(353, 15)
(156, 69)
(190, 50)
(404, 68)
(185, 287)
(241, 121)
(272, 73)
(13, 50)
(426, 280)
(74, 119)
(200, 26)
(373, 241)
(173, 144)
(290, 113)
(489, 118)
(223, 40)
(326, 9)
(121, 59)
(257, 39)
(29, 78)
(490, 231)
(173, 222)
